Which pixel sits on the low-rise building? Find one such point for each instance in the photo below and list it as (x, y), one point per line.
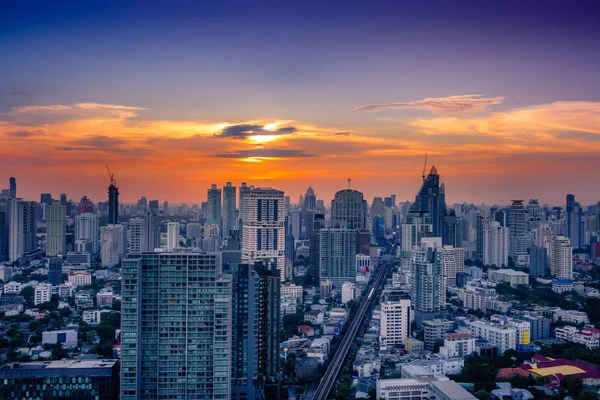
(294, 291)
(348, 292)
(80, 278)
(42, 294)
(105, 298)
(307, 369)
(315, 317)
(434, 330)
(66, 337)
(503, 336)
(511, 276)
(562, 285)
(458, 345)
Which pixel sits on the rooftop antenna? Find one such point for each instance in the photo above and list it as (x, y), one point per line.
(349, 180)
(424, 167)
(112, 176)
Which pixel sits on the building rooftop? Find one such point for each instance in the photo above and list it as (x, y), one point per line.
(452, 390)
(58, 368)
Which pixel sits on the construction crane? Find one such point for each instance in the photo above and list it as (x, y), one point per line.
(112, 176)
(424, 167)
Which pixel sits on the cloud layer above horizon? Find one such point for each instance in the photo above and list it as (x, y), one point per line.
(67, 146)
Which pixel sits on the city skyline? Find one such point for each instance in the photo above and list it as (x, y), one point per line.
(287, 96)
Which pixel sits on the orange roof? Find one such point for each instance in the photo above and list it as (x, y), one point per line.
(508, 372)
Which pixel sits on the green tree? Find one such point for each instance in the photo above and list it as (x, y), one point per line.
(58, 353)
(483, 395)
(573, 385)
(28, 292)
(64, 312)
(343, 391)
(116, 306)
(290, 364)
(105, 331)
(587, 394)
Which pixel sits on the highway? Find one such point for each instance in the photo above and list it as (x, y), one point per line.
(339, 357)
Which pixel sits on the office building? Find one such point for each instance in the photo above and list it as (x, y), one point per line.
(349, 210)
(263, 234)
(87, 227)
(12, 188)
(496, 245)
(55, 271)
(454, 262)
(46, 198)
(428, 288)
(561, 264)
(395, 322)
(337, 263)
(113, 244)
(517, 235)
(82, 380)
(229, 210)
(213, 204)
(193, 231)
(183, 351)
(56, 230)
(538, 262)
(431, 199)
(172, 235)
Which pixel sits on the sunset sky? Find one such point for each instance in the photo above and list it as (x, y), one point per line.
(504, 96)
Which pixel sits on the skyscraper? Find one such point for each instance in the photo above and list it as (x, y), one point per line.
(13, 188)
(21, 221)
(214, 206)
(431, 199)
(428, 289)
(337, 254)
(454, 262)
(244, 188)
(56, 230)
(113, 203)
(349, 210)
(575, 226)
(598, 217)
(172, 235)
(517, 224)
(4, 223)
(310, 200)
(562, 258)
(495, 245)
(183, 351)
(417, 226)
(46, 198)
(229, 210)
(87, 227)
(263, 236)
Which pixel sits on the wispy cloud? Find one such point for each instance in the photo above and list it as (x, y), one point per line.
(52, 114)
(451, 104)
(243, 131)
(21, 93)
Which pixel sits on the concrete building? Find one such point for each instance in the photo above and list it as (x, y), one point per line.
(454, 262)
(434, 330)
(194, 325)
(56, 230)
(349, 210)
(538, 262)
(42, 294)
(213, 206)
(87, 227)
(293, 290)
(66, 337)
(348, 292)
(511, 276)
(495, 245)
(517, 224)
(172, 235)
(503, 336)
(561, 262)
(136, 232)
(80, 278)
(113, 244)
(337, 256)
(193, 230)
(395, 322)
(85, 380)
(458, 345)
(428, 289)
(263, 236)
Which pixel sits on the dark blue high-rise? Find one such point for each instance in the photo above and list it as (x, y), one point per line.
(432, 199)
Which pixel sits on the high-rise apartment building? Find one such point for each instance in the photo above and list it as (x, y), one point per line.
(56, 230)
(136, 232)
(229, 210)
(150, 233)
(337, 256)
(495, 245)
(428, 289)
(263, 235)
(395, 322)
(349, 210)
(517, 224)
(21, 221)
(454, 262)
(113, 244)
(172, 235)
(87, 227)
(244, 188)
(214, 206)
(562, 258)
(416, 227)
(176, 327)
(4, 225)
